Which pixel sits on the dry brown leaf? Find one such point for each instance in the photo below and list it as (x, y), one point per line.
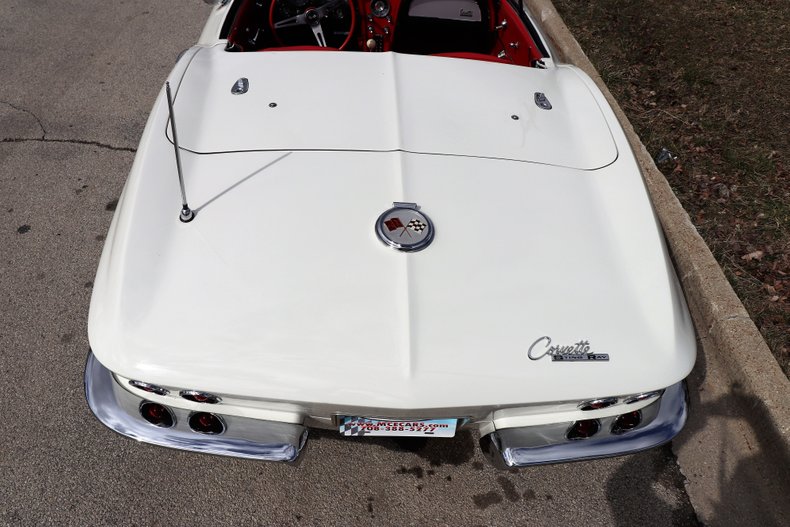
(756, 255)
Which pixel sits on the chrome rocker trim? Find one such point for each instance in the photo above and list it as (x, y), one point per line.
(117, 408)
(521, 447)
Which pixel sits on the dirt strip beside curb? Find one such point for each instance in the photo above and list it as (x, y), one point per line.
(746, 409)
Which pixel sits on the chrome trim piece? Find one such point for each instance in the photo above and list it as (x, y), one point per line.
(117, 408)
(586, 406)
(194, 395)
(521, 447)
(582, 438)
(241, 86)
(641, 397)
(150, 388)
(542, 101)
(380, 8)
(219, 419)
(617, 429)
(168, 410)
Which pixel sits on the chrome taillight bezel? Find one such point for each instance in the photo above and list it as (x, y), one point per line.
(150, 388)
(170, 414)
(200, 397)
(196, 415)
(597, 404)
(617, 429)
(569, 432)
(631, 399)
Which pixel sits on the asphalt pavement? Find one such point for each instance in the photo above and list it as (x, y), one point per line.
(77, 81)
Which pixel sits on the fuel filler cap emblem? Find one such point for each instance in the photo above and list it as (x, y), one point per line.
(405, 228)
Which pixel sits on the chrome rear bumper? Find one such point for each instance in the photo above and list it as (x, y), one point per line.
(117, 408)
(537, 445)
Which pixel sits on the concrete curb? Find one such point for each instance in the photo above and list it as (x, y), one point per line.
(727, 334)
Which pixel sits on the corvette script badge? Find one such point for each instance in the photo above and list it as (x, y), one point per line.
(405, 228)
(576, 352)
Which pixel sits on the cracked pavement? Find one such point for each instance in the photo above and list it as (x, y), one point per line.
(13, 124)
(79, 78)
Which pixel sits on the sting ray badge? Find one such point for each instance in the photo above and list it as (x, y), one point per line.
(405, 228)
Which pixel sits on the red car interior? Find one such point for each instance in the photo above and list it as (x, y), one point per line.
(487, 30)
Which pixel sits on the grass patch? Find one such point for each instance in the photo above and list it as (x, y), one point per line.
(708, 81)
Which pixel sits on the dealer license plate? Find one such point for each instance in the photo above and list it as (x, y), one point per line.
(363, 426)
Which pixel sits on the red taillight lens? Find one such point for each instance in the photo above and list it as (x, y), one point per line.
(206, 423)
(626, 422)
(200, 397)
(584, 429)
(157, 415)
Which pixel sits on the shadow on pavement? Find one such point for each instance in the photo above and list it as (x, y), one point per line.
(755, 490)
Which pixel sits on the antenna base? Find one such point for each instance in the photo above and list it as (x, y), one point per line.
(186, 215)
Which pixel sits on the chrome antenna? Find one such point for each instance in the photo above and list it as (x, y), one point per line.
(187, 214)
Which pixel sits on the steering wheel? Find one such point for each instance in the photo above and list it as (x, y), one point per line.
(329, 20)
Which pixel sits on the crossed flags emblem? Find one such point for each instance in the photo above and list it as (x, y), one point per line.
(414, 225)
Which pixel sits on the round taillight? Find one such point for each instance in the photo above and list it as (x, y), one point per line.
(157, 415)
(200, 397)
(583, 429)
(597, 404)
(642, 397)
(626, 422)
(206, 423)
(150, 388)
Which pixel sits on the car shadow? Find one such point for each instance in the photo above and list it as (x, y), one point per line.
(753, 493)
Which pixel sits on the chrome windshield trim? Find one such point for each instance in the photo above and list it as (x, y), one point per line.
(116, 408)
(506, 448)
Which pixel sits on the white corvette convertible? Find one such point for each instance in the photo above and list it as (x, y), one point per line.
(386, 218)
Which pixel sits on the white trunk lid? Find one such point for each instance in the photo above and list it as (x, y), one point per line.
(387, 102)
